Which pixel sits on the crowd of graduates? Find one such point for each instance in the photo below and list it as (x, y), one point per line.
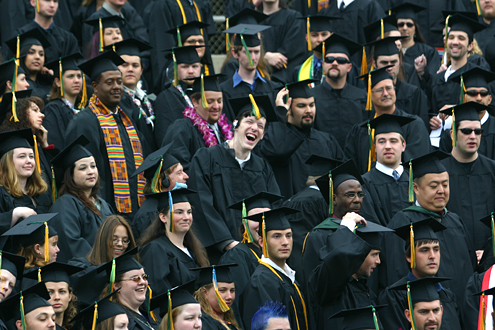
(339, 173)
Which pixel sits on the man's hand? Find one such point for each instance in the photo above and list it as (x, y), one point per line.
(277, 60)
(231, 245)
(279, 101)
(435, 123)
(443, 67)
(351, 219)
(420, 63)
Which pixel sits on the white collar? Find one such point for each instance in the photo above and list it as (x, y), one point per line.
(448, 72)
(242, 161)
(313, 186)
(387, 170)
(287, 271)
(346, 3)
(485, 118)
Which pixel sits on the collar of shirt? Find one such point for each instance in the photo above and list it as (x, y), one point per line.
(317, 60)
(242, 161)
(411, 278)
(485, 117)
(112, 11)
(448, 72)
(287, 271)
(315, 187)
(238, 79)
(50, 28)
(131, 91)
(138, 92)
(387, 170)
(346, 2)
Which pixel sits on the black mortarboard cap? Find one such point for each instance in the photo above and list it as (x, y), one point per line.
(105, 310)
(247, 16)
(31, 230)
(472, 15)
(6, 105)
(373, 31)
(130, 46)
(7, 70)
(34, 297)
(28, 38)
(385, 46)
(107, 61)
(388, 124)
(460, 22)
(16, 139)
(263, 102)
(422, 290)
(112, 21)
(378, 75)
(275, 219)
(13, 263)
(465, 111)
(301, 89)
(260, 200)
(185, 54)
(370, 233)
(179, 296)
(429, 163)
(248, 32)
(319, 23)
(192, 28)
(360, 318)
(72, 153)
(123, 263)
(69, 62)
(157, 159)
(406, 10)
(338, 44)
(223, 274)
(320, 165)
(423, 230)
(476, 77)
(178, 196)
(53, 272)
(210, 83)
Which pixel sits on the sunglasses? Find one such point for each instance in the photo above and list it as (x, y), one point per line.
(340, 60)
(475, 93)
(137, 278)
(468, 131)
(409, 24)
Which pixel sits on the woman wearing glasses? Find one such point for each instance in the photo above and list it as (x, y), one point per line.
(80, 210)
(170, 250)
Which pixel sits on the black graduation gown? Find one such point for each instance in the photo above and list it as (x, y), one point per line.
(487, 144)
(392, 316)
(144, 217)
(166, 264)
(86, 123)
(333, 291)
(484, 37)
(266, 285)
(268, 88)
(338, 111)
(57, 118)
(314, 209)
(41, 87)
(472, 195)
(433, 59)
(209, 323)
(85, 293)
(80, 16)
(388, 196)
(286, 36)
(62, 42)
(458, 257)
(141, 320)
(412, 100)
(77, 226)
(169, 106)
(133, 112)
(220, 182)
(417, 141)
(286, 148)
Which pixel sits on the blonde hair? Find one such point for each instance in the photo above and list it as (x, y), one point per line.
(175, 312)
(208, 309)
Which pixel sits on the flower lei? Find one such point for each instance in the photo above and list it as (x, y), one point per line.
(204, 129)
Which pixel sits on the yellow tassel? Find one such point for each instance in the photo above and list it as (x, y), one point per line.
(221, 303)
(364, 62)
(413, 247)
(170, 320)
(411, 189)
(37, 154)
(323, 49)
(60, 77)
(369, 104)
(47, 244)
(308, 33)
(23, 316)
(382, 29)
(100, 27)
(95, 317)
(330, 193)
(454, 129)
(84, 96)
(18, 48)
(14, 108)
(227, 37)
(263, 229)
(410, 307)
(204, 103)
(483, 311)
(478, 10)
(155, 182)
(256, 110)
(39, 274)
(309, 3)
(37, 6)
(444, 58)
(150, 312)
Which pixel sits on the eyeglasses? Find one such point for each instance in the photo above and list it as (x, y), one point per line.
(124, 241)
(381, 89)
(340, 60)
(137, 278)
(468, 131)
(474, 93)
(408, 24)
(352, 195)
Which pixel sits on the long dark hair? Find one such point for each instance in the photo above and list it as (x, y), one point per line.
(22, 108)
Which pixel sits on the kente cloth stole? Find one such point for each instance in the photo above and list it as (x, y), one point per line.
(116, 156)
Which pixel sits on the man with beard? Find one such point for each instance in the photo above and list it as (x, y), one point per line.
(487, 8)
(340, 104)
(287, 146)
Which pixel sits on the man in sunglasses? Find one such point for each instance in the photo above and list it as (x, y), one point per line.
(472, 176)
(340, 105)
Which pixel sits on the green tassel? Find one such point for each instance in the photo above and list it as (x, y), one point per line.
(171, 202)
(179, 39)
(411, 189)
(330, 193)
(250, 59)
(375, 319)
(112, 277)
(410, 306)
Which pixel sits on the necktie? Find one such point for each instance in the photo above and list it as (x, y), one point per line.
(214, 128)
(396, 175)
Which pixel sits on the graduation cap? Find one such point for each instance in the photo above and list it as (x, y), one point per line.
(329, 183)
(24, 302)
(321, 164)
(246, 36)
(53, 272)
(260, 106)
(475, 77)
(7, 71)
(338, 44)
(459, 22)
(419, 230)
(204, 83)
(107, 61)
(184, 31)
(246, 16)
(214, 274)
(9, 103)
(370, 233)
(260, 200)
(130, 46)
(101, 23)
(22, 138)
(387, 123)
(13, 263)
(374, 77)
(317, 23)
(153, 165)
(173, 298)
(464, 111)
(406, 10)
(489, 221)
(301, 89)
(385, 46)
(119, 265)
(185, 54)
(28, 38)
(33, 230)
(377, 29)
(98, 312)
(275, 219)
(63, 64)
(360, 318)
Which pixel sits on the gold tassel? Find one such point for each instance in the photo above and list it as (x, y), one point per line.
(204, 103)
(170, 320)
(413, 246)
(330, 193)
(100, 27)
(95, 317)
(410, 306)
(364, 63)
(308, 32)
(60, 77)
(478, 10)
(411, 189)
(382, 29)
(263, 229)
(39, 274)
(444, 57)
(454, 130)
(256, 110)
(221, 303)
(369, 104)
(37, 154)
(14, 108)
(84, 96)
(47, 244)
(150, 312)
(227, 37)
(483, 311)
(323, 49)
